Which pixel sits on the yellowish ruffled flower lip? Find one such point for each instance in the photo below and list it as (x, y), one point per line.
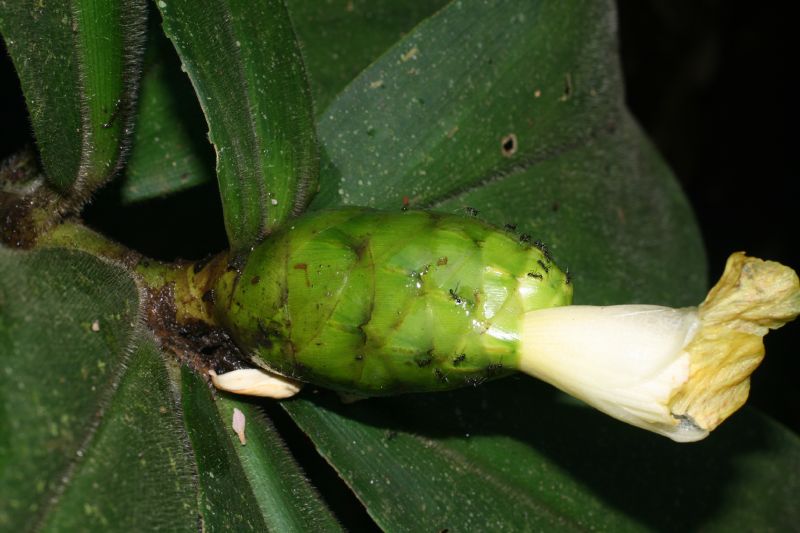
(677, 372)
(751, 298)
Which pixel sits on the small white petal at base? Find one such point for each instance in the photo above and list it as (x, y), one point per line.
(255, 382)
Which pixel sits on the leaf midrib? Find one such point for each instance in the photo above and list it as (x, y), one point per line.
(242, 177)
(78, 456)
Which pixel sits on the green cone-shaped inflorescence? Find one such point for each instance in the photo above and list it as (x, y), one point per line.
(375, 303)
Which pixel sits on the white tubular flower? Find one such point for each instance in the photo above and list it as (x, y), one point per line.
(677, 372)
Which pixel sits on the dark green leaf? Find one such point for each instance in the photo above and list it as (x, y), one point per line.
(135, 473)
(515, 456)
(431, 117)
(78, 64)
(246, 68)
(79, 431)
(93, 435)
(338, 40)
(170, 150)
(252, 487)
(342, 37)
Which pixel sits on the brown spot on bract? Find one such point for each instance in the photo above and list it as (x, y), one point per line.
(304, 268)
(441, 261)
(509, 145)
(254, 280)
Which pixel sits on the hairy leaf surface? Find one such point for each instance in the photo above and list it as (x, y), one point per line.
(247, 70)
(94, 428)
(79, 64)
(170, 151)
(338, 40)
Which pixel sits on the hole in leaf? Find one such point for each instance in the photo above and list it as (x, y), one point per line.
(509, 145)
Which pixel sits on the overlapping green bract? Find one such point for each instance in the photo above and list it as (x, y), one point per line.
(349, 300)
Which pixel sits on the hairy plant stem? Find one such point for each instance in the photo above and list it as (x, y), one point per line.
(177, 299)
(188, 282)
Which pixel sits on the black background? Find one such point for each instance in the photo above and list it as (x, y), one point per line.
(708, 80)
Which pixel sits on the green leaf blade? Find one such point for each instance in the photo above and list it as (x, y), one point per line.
(51, 396)
(54, 107)
(432, 115)
(516, 455)
(256, 486)
(140, 444)
(465, 481)
(78, 64)
(247, 70)
(342, 38)
(170, 151)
